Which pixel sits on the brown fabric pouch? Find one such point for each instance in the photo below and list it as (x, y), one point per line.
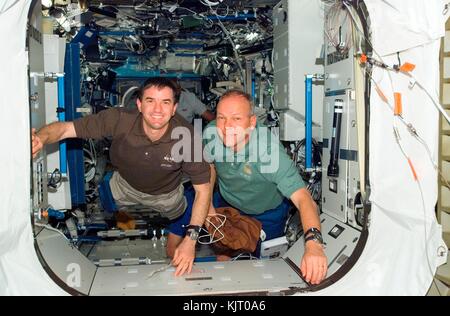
(125, 221)
(241, 232)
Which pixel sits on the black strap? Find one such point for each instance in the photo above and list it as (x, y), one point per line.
(194, 227)
(312, 237)
(313, 231)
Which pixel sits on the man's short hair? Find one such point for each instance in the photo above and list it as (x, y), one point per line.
(242, 94)
(161, 83)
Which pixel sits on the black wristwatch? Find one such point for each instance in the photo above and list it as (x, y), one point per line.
(193, 232)
(315, 235)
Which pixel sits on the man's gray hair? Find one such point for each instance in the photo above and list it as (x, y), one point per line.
(242, 94)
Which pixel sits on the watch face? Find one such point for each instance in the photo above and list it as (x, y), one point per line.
(193, 234)
(319, 238)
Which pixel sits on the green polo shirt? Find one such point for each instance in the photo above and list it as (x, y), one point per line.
(257, 178)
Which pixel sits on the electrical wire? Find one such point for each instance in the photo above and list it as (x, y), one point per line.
(244, 255)
(437, 287)
(90, 160)
(55, 180)
(436, 103)
(131, 41)
(120, 12)
(313, 179)
(236, 53)
(130, 92)
(227, 33)
(93, 150)
(398, 138)
(222, 220)
(214, 11)
(334, 17)
(162, 269)
(417, 180)
(408, 125)
(196, 15)
(210, 3)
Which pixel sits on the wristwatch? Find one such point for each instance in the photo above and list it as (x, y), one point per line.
(193, 232)
(315, 235)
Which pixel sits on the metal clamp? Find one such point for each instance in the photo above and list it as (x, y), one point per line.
(446, 8)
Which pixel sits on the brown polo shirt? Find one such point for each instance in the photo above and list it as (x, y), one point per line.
(147, 166)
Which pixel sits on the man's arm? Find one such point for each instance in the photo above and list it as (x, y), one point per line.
(208, 116)
(185, 252)
(314, 263)
(212, 182)
(50, 134)
(199, 107)
(97, 126)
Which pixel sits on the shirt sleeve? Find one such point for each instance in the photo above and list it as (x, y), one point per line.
(197, 106)
(284, 173)
(99, 125)
(198, 172)
(196, 167)
(211, 142)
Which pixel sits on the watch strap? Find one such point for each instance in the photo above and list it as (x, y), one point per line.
(313, 231)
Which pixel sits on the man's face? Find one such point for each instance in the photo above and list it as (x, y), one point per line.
(235, 121)
(157, 107)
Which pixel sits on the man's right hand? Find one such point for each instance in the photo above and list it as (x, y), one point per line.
(36, 143)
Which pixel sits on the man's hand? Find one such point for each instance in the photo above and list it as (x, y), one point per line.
(184, 257)
(36, 142)
(50, 134)
(314, 263)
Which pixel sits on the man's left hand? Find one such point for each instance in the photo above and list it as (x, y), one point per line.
(184, 257)
(314, 263)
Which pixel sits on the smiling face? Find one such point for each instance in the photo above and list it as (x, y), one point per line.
(235, 121)
(157, 107)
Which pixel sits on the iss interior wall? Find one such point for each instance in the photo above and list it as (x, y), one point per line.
(20, 271)
(444, 203)
(394, 261)
(298, 41)
(401, 253)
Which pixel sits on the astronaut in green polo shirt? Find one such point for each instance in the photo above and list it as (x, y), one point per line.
(256, 176)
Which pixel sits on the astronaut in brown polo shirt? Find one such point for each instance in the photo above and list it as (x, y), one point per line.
(148, 173)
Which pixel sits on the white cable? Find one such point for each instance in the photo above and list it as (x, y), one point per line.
(129, 92)
(414, 133)
(162, 269)
(210, 3)
(244, 255)
(222, 220)
(398, 139)
(236, 53)
(93, 151)
(332, 20)
(408, 125)
(200, 16)
(122, 13)
(91, 161)
(224, 29)
(90, 175)
(220, 16)
(436, 103)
